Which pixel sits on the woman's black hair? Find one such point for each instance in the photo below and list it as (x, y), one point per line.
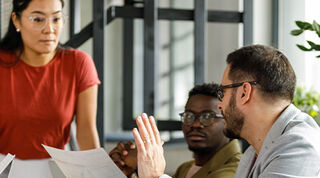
(12, 39)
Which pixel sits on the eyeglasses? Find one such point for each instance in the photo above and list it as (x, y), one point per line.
(221, 87)
(205, 118)
(39, 22)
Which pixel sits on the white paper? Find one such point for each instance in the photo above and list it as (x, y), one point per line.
(5, 162)
(35, 168)
(94, 163)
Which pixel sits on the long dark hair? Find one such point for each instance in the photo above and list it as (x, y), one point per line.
(12, 39)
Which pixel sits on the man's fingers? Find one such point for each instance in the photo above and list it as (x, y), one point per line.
(115, 150)
(144, 135)
(115, 155)
(125, 153)
(155, 130)
(148, 128)
(138, 141)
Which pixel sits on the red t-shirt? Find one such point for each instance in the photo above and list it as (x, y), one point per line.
(37, 104)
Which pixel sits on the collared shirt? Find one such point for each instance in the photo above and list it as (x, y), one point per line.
(223, 164)
(290, 149)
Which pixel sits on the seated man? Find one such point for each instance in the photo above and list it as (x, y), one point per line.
(215, 155)
(255, 94)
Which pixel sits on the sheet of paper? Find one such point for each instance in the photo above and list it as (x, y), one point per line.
(35, 168)
(6, 162)
(94, 163)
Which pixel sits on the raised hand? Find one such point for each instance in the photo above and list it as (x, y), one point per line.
(151, 162)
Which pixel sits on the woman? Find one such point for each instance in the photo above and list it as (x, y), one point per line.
(43, 85)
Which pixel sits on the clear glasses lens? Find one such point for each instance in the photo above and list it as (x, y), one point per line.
(39, 22)
(206, 119)
(187, 118)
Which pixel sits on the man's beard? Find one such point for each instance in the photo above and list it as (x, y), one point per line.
(234, 119)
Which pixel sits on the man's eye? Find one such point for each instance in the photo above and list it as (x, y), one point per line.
(189, 116)
(207, 115)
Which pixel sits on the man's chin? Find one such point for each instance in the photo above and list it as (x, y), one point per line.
(199, 149)
(230, 134)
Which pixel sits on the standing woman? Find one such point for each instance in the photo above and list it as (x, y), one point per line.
(43, 86)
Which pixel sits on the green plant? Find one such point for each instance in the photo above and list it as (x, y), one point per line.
(308, 101)
(305, 26)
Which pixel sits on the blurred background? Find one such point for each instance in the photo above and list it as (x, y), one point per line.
(150, 53)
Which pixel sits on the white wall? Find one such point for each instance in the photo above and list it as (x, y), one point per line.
(262, 22)
(223, 38)
(305, 64)
(288, 13)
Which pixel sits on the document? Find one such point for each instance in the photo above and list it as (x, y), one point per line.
(5, 165)
(94, 163)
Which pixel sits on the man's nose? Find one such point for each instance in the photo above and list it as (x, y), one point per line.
(196, 123)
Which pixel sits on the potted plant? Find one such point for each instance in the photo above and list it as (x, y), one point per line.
(305, 26)
(308, 101)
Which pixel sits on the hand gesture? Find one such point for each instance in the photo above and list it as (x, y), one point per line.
(151, 162)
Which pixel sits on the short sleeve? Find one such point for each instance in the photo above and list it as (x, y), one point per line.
(86, 71)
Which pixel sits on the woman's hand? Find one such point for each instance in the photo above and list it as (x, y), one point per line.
(151, 162)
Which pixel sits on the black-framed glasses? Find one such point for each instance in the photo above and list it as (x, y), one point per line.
(205, 118)
(222, 87)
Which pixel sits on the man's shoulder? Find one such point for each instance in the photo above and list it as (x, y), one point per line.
(229, 153)
(295, 151)
(293, 130)
(301, 131)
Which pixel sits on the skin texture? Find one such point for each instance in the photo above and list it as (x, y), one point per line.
(150, 157)
(124, 156)
(248, 114)
(204, 141)
(233, 116)
(39, 45)
(87, 135)
(40, 48)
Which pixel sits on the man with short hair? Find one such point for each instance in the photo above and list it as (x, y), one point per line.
(256, 92)
(214, 154)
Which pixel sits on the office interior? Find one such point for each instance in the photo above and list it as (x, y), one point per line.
(150, 53)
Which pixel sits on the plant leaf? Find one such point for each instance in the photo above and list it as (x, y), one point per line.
(304, 48)
(304, 25)
(314, 46)
(318, 56)
(316, 27)
(296, 32)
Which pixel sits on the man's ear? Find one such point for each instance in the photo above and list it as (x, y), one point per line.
(246, 92)
(15, 20)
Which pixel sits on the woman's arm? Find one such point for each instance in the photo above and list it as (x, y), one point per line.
(87, 135)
